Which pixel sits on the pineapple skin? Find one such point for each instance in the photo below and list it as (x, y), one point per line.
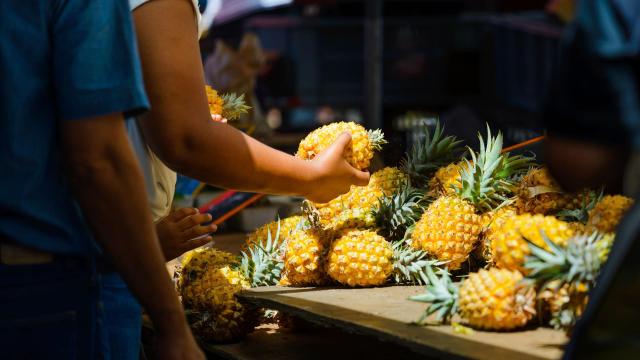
(355, 208)
(304, 259)
(360, 258)
(539, 193)
(448, 230)
(608, 212)
(491, 221)
(445, 179)
(214, 313)
(361, 149)
(208, 286)
(509, 247)
(495, 299)
(216, 104)
(287, 226)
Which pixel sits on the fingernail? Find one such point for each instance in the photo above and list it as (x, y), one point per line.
(196, 210)
(209, 217)
(213, 227)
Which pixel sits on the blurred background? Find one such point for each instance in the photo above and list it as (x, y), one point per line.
(386, 64)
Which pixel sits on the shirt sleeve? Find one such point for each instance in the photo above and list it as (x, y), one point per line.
(96, 68)
(594, 94)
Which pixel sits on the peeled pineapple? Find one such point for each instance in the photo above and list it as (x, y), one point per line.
(208, 285)
(448, 230)
(304, 258)
(608, 212)
(363, 143)
(509, 242)
(493, 299)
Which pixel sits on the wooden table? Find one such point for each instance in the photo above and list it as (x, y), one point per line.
(386, 314)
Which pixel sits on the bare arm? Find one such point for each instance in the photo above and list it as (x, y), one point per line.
(180, 131)
(108, 185)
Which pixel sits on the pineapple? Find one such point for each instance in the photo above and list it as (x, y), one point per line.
(287, 226)
(539, 193)
(363, 143)
(608, 212)
(399, 211)
(208, 284)
(364, 258)
(355, 208)
(448, 230)
(304, 258)
(450, 227)
(424, 159)
(263, 262)
(446, 179)
(493, 299)
(509, 241)
(229, 106)
(565, 274)
(491, 223)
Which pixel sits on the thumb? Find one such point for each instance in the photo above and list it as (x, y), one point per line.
(341, 143)
(360, 178)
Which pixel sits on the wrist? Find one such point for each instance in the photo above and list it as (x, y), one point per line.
(309, 177)
(169, 323)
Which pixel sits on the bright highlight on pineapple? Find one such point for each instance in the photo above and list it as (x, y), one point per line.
(490, 234)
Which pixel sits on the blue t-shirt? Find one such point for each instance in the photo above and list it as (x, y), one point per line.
(60, 60)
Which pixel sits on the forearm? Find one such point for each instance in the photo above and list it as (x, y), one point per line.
(219, 154)
(112, 196)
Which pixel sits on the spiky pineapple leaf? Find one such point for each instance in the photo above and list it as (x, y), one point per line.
(425, 158)
(410, 265)
(376, 139)
(233, 106)
(442, 296)
(581, 214)
(397, 212)
(262, 263)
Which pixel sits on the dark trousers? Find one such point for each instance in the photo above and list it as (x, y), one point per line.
(50, 311)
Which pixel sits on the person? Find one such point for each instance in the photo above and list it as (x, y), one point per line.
(178, 135)
(593, 121)
(71, 192)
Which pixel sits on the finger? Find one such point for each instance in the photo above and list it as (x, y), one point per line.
(196, 243)
(198, 231)
(193, 220)
(216, 117)
(360, 178)
(182, 213)
(342, 142)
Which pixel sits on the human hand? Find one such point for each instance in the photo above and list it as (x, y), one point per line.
(182, 230)
(218, 118)
(331, 174)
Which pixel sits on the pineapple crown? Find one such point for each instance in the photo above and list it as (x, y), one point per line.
(262, 264)
(410, 266)
(399, 211)
(442, 296)
(425, 158)
(579, 262)
(234, 106)
(488, 181)
(582, 214)
(376, 139)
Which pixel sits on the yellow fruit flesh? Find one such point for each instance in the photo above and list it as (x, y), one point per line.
(360, 153)
(608, 212)
(508, 245)
(495, 299)
(304, 259)
(360, 258)
(448, 231)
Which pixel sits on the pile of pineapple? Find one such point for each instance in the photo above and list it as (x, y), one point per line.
(490, 234)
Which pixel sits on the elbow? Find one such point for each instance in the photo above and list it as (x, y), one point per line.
(176, 152)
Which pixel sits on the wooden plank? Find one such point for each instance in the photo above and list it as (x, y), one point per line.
(311, 344)
(386, 314)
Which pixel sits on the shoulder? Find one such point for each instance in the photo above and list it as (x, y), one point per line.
(134, 4)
